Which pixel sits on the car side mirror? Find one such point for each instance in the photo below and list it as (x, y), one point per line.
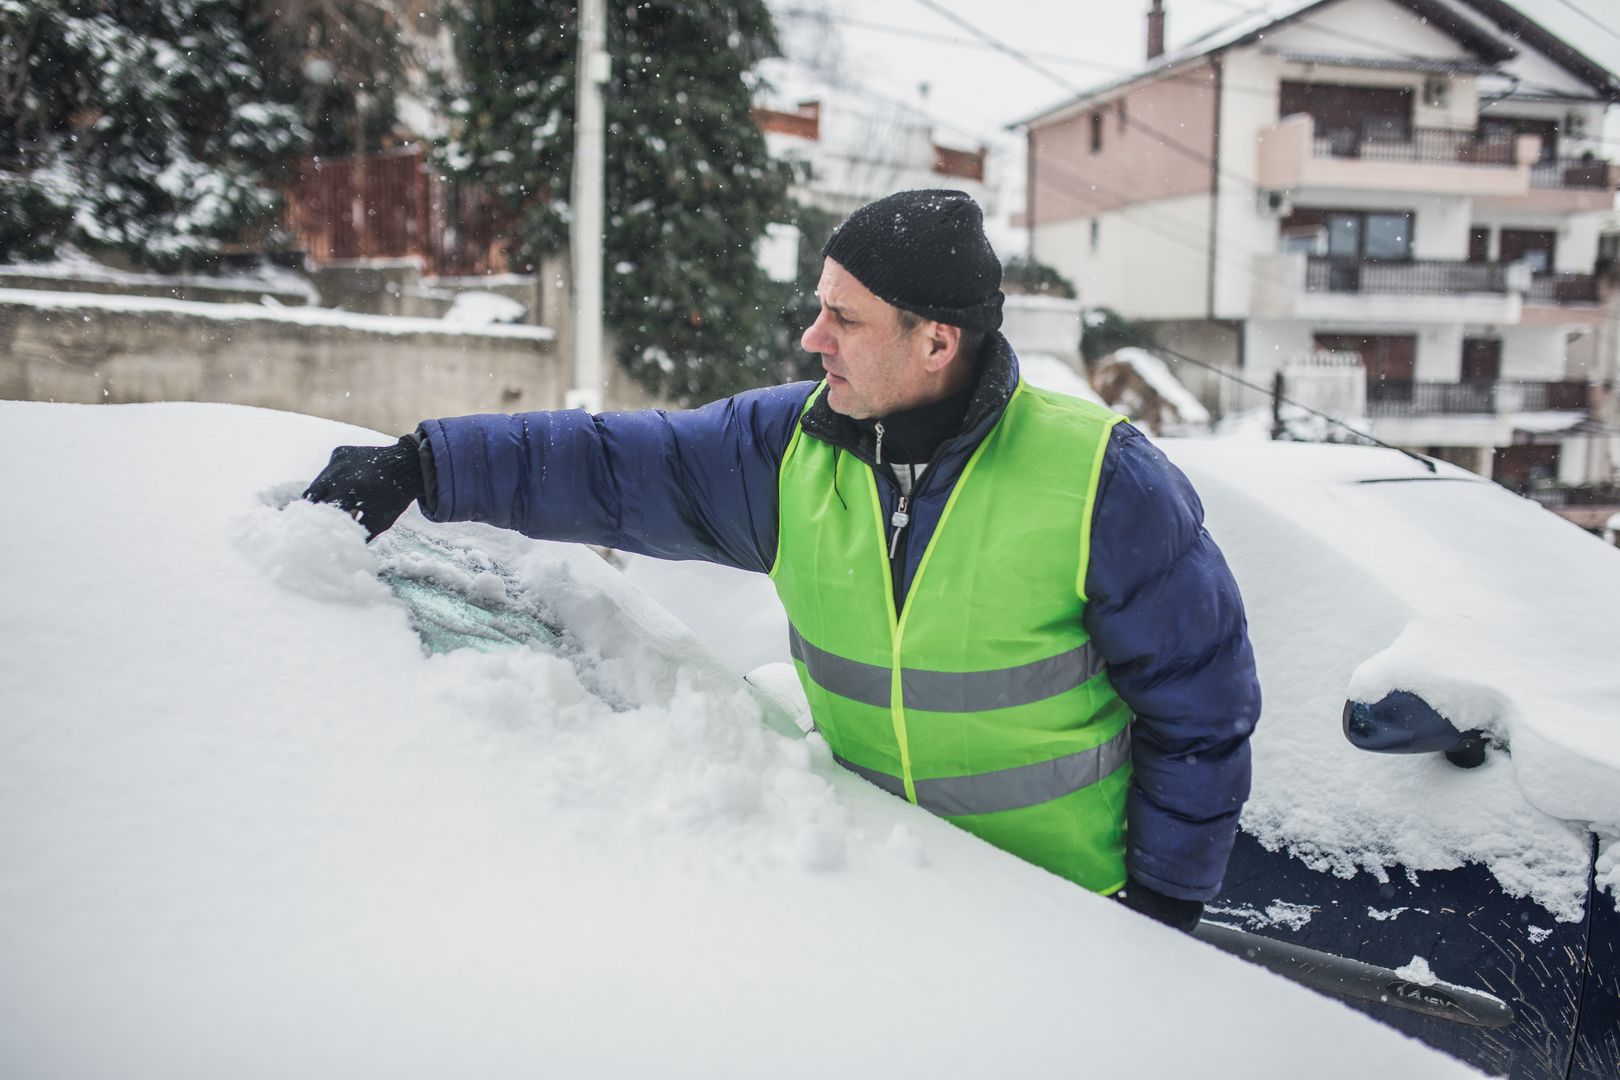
(1403, 723)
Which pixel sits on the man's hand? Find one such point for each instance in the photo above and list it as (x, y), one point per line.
(1181, 914)
(373, 483)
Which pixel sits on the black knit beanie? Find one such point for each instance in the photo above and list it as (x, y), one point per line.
(926, 252)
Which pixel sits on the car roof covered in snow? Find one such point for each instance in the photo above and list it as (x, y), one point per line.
(1363, 573)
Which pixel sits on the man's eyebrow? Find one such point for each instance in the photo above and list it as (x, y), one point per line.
(841, 312)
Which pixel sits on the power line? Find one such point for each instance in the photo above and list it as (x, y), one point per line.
(944, 39)
(1607, 29)
(1090, 190)
(1189, 151)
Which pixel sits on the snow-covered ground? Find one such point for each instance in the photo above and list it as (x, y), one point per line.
(250, 826)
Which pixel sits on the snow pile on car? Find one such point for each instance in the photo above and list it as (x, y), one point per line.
(1364, 573)
(251, 826)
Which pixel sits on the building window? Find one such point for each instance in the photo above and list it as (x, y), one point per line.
(1509, 127)
(1481, 359)
(1390, 361)
(1538, 247)
(1351, 235)
(1096, 132)
(1347, 116)
(1096, 234)
(1525, 467)
(1608, 256)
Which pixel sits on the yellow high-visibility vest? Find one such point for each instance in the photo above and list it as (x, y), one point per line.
(983, 699)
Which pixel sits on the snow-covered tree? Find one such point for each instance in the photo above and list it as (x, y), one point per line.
(340, 63)
(689, 185)
(141, 128)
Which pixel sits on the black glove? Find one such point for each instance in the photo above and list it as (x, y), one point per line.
(1181, 914)
(374, 483)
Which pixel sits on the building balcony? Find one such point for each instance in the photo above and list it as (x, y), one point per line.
(1392, 397)
(1564, 300)
(1563, 289)
(1294, 285)
(1413, 277)
(1563, 186)
(1291, 156)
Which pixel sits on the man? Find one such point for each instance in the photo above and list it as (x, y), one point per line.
(1003, 604)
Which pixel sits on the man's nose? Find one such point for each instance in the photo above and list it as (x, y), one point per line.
(815, 338)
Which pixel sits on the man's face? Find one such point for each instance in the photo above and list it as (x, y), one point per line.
(873, 367)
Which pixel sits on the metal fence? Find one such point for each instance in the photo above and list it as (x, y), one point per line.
(1564, 289)
(1561, 498)
(1402, 397)
(1570, 173)
(1425, 277)
(1427, 145)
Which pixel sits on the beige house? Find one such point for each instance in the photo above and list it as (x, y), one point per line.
(1412, 187)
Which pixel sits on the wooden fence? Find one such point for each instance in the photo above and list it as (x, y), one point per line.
(394, 205)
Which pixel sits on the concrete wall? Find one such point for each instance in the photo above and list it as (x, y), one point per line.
(1150, 261)
(1219, 344)
(397, 287)
(1533, 353)
(1043, 324)
(85, 352)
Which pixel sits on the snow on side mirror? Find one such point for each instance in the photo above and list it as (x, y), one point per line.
(1403, 723)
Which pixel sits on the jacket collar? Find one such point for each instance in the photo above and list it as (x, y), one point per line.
(998, 378)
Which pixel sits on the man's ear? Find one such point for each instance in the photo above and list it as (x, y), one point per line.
(944, 342)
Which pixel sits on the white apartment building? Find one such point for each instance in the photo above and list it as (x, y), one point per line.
(850, 147)
(1415, 188)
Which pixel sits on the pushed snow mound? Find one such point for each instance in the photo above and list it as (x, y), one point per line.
(1364, 573)
(262, 816)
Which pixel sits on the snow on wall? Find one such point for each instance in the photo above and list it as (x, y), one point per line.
(302, 316)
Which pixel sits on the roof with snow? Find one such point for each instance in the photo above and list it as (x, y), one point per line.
(1492, 47)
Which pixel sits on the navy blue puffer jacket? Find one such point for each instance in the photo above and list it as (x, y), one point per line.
(702, 484)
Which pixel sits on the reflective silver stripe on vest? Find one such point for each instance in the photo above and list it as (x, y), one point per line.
(1008, 789)
(866, 683)
(948, 691)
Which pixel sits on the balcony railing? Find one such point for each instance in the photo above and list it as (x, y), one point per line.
(1565, 497)
(1416, 277)
(1570, 173)
(1563, 289)
(1404, 397)
(1428, 145)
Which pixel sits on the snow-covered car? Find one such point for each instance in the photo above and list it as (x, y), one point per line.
(1437, 768)
(1439, 606)
(275, 802)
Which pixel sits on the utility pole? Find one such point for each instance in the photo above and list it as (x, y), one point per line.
(585, 195)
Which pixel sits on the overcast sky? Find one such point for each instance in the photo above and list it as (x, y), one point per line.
(894, 47)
